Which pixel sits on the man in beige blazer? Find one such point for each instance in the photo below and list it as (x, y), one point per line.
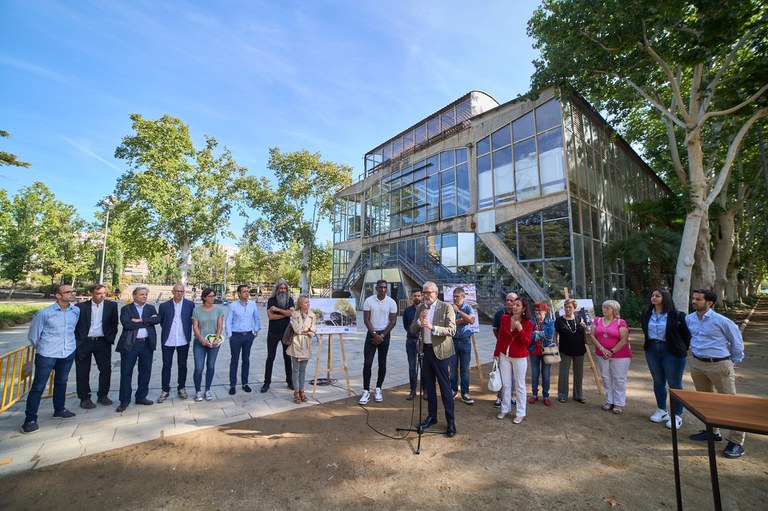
(436, 323)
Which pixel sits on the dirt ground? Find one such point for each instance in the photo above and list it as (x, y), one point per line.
(570, 456)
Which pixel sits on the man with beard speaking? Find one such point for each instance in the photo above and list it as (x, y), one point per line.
(280, 306)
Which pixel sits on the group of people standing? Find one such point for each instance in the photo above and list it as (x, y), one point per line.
(65, 333)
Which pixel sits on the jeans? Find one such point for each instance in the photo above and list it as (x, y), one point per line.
(273, 340)
(539, 367)
(369, 350)
(240, 343)
(43, 368)
(102, 352)
(299, 372)
(461, 359)
(666, 369)
(412, 350)
(141, 352)
(204, 356)
(182, 356)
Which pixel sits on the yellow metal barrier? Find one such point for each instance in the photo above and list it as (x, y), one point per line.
(16, 371)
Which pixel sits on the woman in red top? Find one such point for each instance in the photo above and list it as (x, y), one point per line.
(610, 335)
(512, 354)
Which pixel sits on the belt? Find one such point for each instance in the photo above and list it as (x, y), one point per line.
(95, 338)
(657, 341)
(711, 360)
(143, 339)
(241, 333)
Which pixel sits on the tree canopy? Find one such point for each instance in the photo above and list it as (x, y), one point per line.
(8, 158)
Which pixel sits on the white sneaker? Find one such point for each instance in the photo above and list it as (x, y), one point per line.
(208, 395)
(198, 396)
(678, 422)
(659, 415)
(377, 395)
(365, 398)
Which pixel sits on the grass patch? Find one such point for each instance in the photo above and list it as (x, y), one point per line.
(15, 314)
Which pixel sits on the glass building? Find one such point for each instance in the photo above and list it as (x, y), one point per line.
(515, 197)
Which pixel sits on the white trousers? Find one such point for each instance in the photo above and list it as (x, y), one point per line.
(614, 374)
(513, 368)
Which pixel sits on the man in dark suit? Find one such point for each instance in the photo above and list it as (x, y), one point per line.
(176, 321)
(436, 323)
(95, 334)
(137, 342)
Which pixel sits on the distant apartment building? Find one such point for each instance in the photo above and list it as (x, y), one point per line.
(521, 196)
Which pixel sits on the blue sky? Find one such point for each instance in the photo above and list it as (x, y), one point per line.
(335, 77)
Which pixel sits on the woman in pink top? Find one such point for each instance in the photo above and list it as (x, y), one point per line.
(610, 335)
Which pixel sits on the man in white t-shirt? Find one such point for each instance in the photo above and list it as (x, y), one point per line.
(380, 316)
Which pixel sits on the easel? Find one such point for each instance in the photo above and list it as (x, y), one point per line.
(595, 373)
(329, 366)
(477, 364)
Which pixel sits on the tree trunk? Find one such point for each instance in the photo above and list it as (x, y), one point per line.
(704, 269)
(13, 288)
(725, 237)
(303, 279)
(685, 258)
(184, 265)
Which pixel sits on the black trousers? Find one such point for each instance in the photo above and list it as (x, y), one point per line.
(273, 339)
(102, 352)
(436, 368)
(369, 350)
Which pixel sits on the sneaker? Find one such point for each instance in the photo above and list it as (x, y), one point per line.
(208, 395)
(231, 391)
(501, 415)
(198, 396)
(29, 427)
(702, 436)
(678, 422)
(365, 398)
(517, 420)
(377, 395)
(497, 403)
(608, 407)
(660, 415)
(63, 414)
(182, 393)
(733, 450)
(163, 396)
(87, 404)
(465, 397)
(455, 393)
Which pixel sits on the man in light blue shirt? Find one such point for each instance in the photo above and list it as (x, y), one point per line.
(52, 333)
(241, 326)
(716, 344)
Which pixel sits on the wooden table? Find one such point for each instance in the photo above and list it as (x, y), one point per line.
(742, 413)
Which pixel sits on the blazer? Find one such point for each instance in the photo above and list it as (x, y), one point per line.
(444, 322)
(149, 318)
(166, 319)
(677, 335)
(108, 321)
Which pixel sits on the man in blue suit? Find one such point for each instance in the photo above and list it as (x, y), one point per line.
(176, 320)
(137, 342)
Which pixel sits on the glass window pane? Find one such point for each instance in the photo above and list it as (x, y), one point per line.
(433, 127)
(394, 221)
(462, 188)
(420, 133)
(501, 137)
(420, 215)
(387, 152)
(555, 212)
(557, 239)
(523, 127)
(397, 147)
(407, 177)
(508, 234)
(463, 111)
(526, 177)
(503, 178)
(433, 165)
(576, 216)
(447, 119)
(551, 164)
(484, 182)
(446, 160)
(408, 141)
(529, 238)
(466, 249)
(557, 276)
(484, 146)
(461, 156)
(448, 194)
(536, 270)
(420, 193)
(548, 115)
(433, 199)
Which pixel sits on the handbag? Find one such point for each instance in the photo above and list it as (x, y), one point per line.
(551, 354)
(494, 379)
(288, 335)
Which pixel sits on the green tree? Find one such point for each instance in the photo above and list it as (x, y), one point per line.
(174, 195)
(8, 158)
(699, 66)
(304, 193)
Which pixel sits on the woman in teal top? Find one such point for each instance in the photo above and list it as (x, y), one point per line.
(207, 322)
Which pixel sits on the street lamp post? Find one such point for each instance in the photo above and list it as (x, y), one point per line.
(109, 204)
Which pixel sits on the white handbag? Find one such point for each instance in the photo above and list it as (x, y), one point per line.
(494, 379)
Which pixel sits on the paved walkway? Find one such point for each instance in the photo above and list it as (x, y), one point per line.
(102, 429)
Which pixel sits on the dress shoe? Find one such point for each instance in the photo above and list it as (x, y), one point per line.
(428, 422)
(104, 400)
(290, 386)
(702, 436)
(247, 388)
(411, 396)
(264, 388)
(451, 431)
(143, 401)
(87, 404)
(231, 391)
(123, 407)
(733, 450)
